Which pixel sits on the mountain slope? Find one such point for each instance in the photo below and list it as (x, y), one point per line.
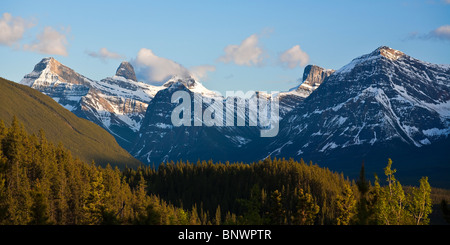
(38, 111)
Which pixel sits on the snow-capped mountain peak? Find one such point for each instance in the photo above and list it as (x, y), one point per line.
(50, 72)
(116, 103)
(389, 53)
(379, 98)
(191, 84)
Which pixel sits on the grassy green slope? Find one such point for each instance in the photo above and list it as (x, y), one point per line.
(83, 138)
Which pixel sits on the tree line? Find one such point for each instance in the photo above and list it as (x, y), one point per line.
(280, 191)
(42, 183)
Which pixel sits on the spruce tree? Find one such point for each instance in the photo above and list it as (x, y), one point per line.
(345, 204)
(390, 200)
(363, 188)
(218, 218)
(420, 204)
(277, 211)
(306, 210)
(39, 209)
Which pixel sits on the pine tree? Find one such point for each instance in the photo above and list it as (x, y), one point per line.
(306, 209)
(218, 218)
(390, 200)
(39, 210)
(3, 197)
(345, 204)
(277, 211)
(253, 207)
(94, 205)
(194, 218)
(363, 188)
(420, 204)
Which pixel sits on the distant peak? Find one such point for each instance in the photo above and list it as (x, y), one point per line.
(314, 70)
(47, 59)
(187, 81)
(126, 70)
(388, 52)
(46, 62)
(377, 54)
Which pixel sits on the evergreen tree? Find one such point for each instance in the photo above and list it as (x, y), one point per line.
(39, 210)
(420, 204)
(94, 205)
(277, 213)
(218, 218)
(306, 209)
(253, 207)
(194, 219)
(150, 217)
(345, 204)
(363, 188)
(391, 207)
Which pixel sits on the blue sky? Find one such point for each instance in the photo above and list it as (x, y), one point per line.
(227, 45)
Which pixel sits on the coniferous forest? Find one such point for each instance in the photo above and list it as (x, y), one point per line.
(41, 183)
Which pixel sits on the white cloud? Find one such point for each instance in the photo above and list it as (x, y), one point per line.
(442, 32)
(50, 42)
(294, 57)
(248, 53)
(201, 72)
(12, 28)
(104, 54)
(156, 69)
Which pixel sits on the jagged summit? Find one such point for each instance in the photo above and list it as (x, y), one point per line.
(378, 54)
(44, 63)
(190, 83)
(313, 76)
(388, 52)
(316, 74)
(126, 70)
(187, 81)
(49, 71)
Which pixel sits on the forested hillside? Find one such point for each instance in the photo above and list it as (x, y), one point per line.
(280, 191)
(83, 138)
(42, 183)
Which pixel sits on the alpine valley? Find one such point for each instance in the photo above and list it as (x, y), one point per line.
(381, 105)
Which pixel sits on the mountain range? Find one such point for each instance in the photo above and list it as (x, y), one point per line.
(382, 104)
(36, 111)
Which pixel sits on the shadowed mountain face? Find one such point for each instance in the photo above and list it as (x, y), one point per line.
(84, 139)
(161, 141)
